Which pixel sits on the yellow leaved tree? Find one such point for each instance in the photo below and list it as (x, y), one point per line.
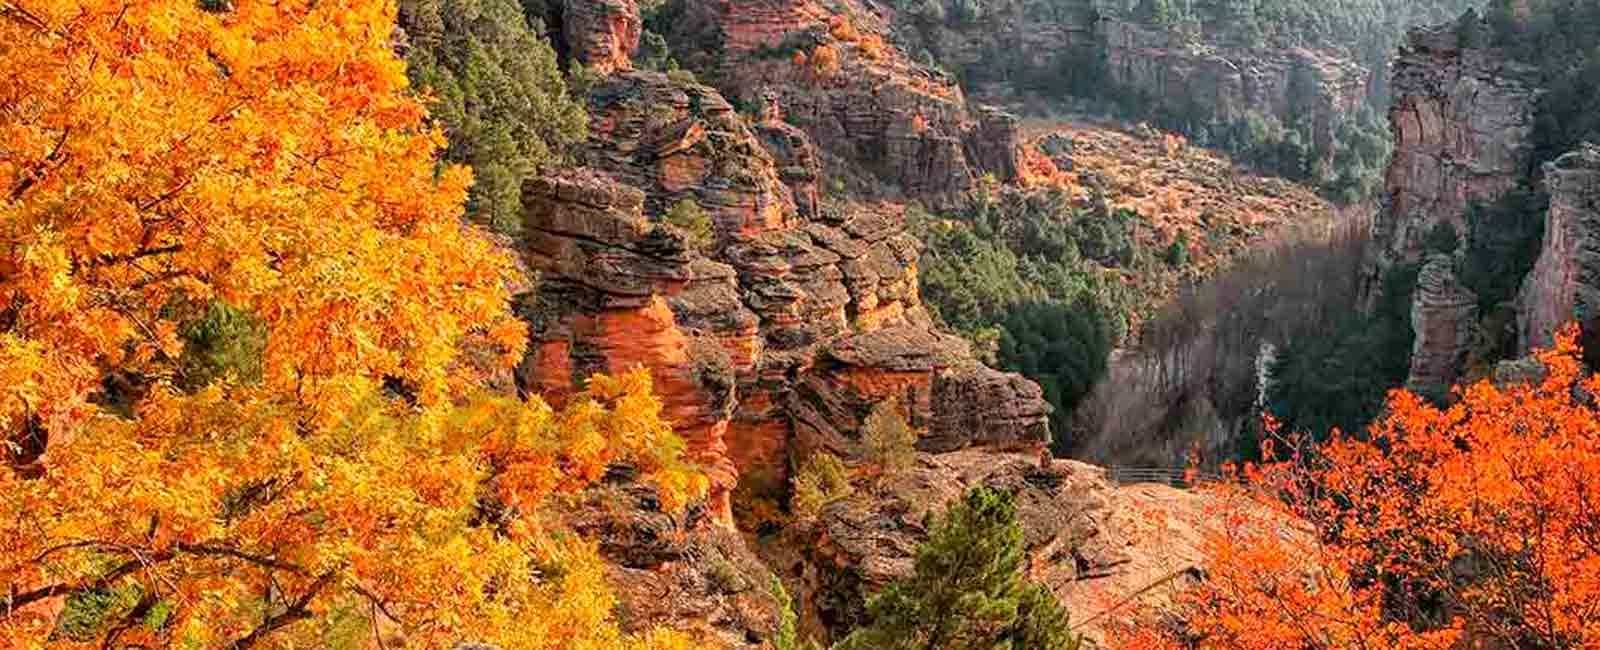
(234, 288)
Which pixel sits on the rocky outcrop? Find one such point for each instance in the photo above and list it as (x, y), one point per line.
(1091, 542)
(1462, 121)
(682, 141)
(1565, 282)
(1444, 315)
(668, 570)
(860, 99)
(951, 399)
(799, 165)
(1169, 72)
(788, 327)
(601, 34)
(620, 291)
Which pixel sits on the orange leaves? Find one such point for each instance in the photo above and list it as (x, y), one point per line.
(253, 141)
(1474, 522)
(226, 489)
(840, 27)
(269, 156)
(825, 61)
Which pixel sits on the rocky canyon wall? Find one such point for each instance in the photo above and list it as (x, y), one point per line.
(1073, 48)
(778, 334)
(1170, 72)
(861, 100)
(1565, 282)
(1462, 120)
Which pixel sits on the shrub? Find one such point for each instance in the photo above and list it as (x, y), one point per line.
(1442, 238)
(1178, 252)
(887, 440)
(822, 480)
(223, 342)
(825, 61)
(687, 216)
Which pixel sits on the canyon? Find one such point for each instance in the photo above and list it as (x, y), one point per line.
(802, 134)
(772, 339)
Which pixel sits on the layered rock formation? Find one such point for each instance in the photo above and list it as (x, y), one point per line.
(1462, 121)
(601, 34)
(1168, 72)
(785, 330)
(860, 100)
(619, 291)
(1073, 47)
(680, 141)
(1565, 282)
(1444, 315)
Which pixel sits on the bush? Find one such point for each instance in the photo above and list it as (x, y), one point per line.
(1442, 238)
(687, 216)
(223, 342)
(887, 441)
(1178, 253)
(822, 480)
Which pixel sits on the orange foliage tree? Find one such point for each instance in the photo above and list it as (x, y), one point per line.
(1478, 523)
(234, 285)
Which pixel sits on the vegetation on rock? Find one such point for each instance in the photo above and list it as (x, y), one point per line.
(967, 590)
(887, 441)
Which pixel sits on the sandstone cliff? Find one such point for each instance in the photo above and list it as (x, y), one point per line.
(1565, 282)
(1444, 316)
(1168, 72)
(785, 330)
(1462, 120)
(861, 100)
(1074, 48)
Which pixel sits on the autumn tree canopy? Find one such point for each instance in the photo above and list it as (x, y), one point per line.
(1478, 523)
(235, 288)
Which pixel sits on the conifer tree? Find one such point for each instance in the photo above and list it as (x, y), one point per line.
(967, 591)
(497, 92)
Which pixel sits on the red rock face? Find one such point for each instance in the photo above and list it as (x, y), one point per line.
(767, 345)
(1565, 281)
(683, 141)
(602, 34)
(1463, 122)
(783, 332)
(877, 111)
(621, 292)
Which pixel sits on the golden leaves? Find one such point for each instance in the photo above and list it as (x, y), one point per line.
(270, 157)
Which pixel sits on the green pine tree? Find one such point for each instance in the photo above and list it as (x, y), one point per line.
(967, 591)
(498, 92)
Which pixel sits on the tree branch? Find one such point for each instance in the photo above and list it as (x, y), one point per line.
(296, 611)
